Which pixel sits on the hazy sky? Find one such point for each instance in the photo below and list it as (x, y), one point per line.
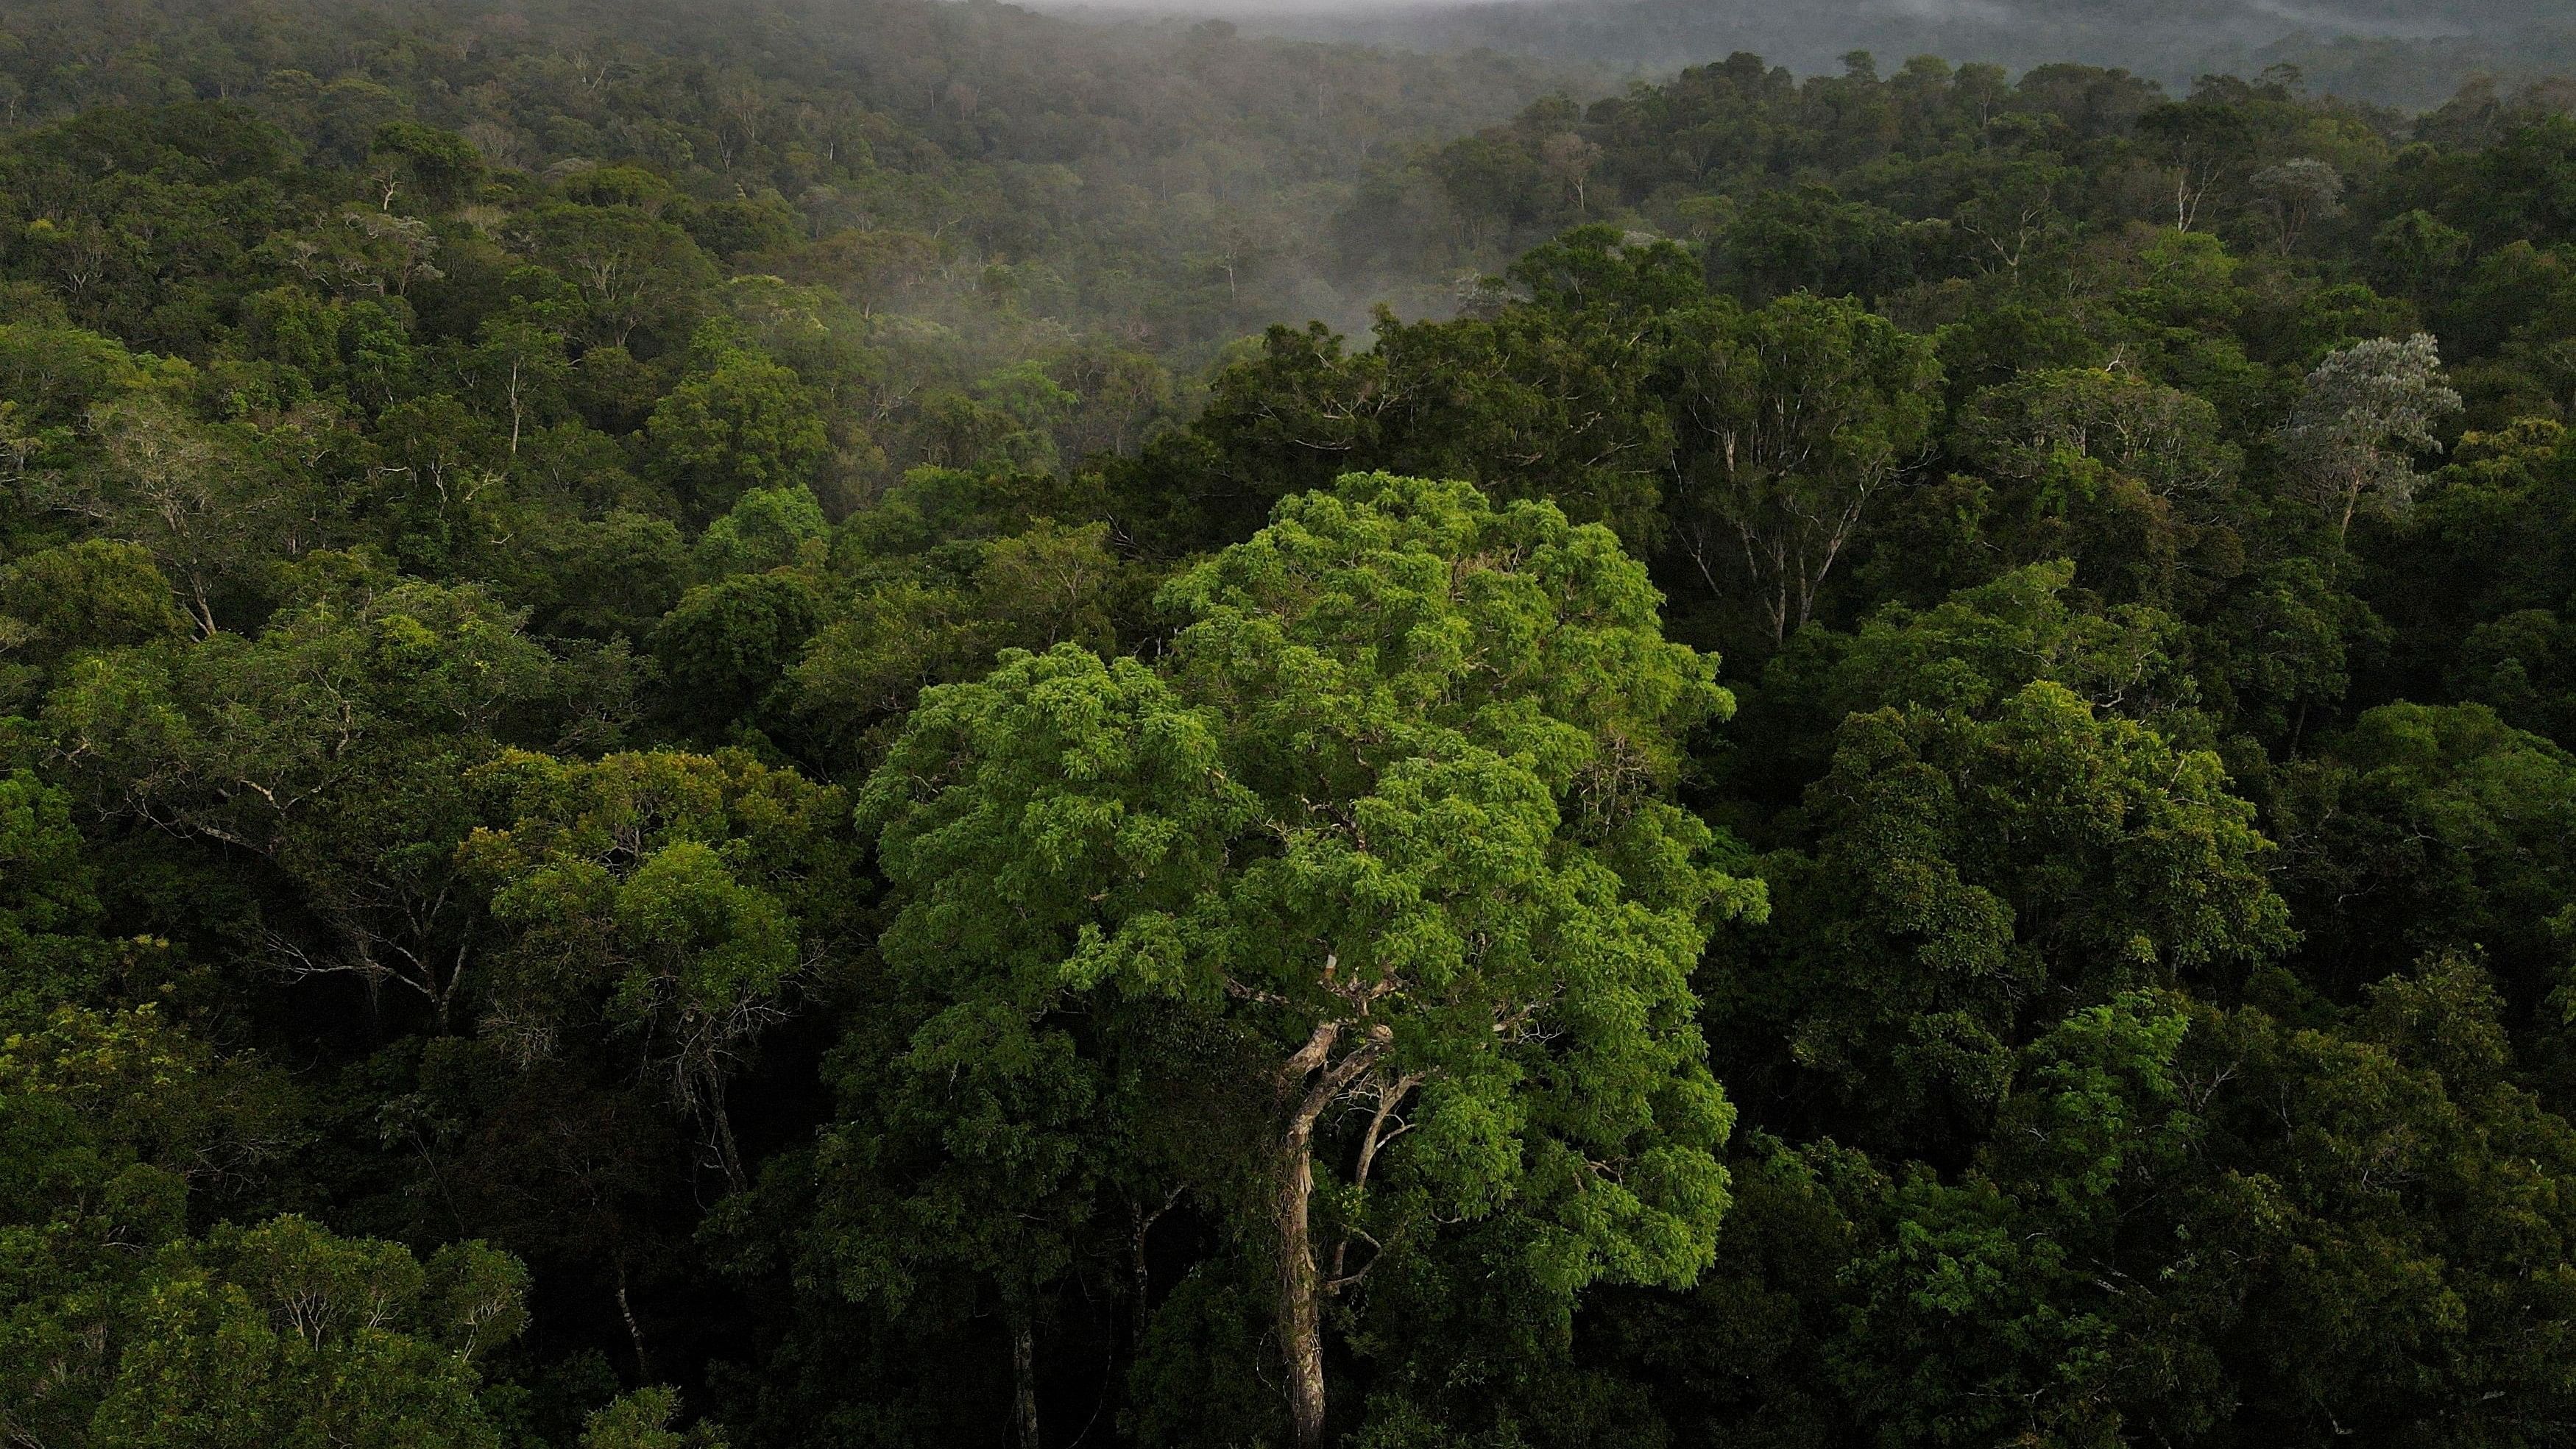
(1242, 8)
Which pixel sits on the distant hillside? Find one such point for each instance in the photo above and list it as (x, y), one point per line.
(2377, 50)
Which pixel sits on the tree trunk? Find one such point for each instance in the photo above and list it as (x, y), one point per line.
(516, 412)
(1140, 1271)
(726, 1153)
(1136, 1323)
(1301, 1330)
(1024, 1380)
(1314, 1081)
(634, 1330)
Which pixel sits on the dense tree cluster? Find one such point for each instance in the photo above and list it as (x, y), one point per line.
(1016, 186)
(677, 770)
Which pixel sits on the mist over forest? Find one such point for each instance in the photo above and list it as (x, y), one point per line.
(832, 724)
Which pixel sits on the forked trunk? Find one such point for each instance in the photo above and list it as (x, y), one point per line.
(1312, 1080)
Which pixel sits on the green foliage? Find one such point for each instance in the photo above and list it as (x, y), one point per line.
(284, 1333)
(724, 645)
(48, 891)
(766, 529)
(1387, 826)
(440, 167)
(2437, 828)
(642, 1420)
(329, 748)
(93, 594)
(1987, 865)
(673, 898)
(745, 423)
(757, 708)
(1793, 416)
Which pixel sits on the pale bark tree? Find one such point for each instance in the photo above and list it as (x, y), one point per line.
(2368, 413)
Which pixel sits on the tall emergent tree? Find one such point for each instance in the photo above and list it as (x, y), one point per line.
(2369, 410)
(1383, 843)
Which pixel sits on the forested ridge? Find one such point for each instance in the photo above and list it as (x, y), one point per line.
(2387, 51)
(718, 727)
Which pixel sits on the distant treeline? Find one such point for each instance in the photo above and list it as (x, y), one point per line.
(2409, 56)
